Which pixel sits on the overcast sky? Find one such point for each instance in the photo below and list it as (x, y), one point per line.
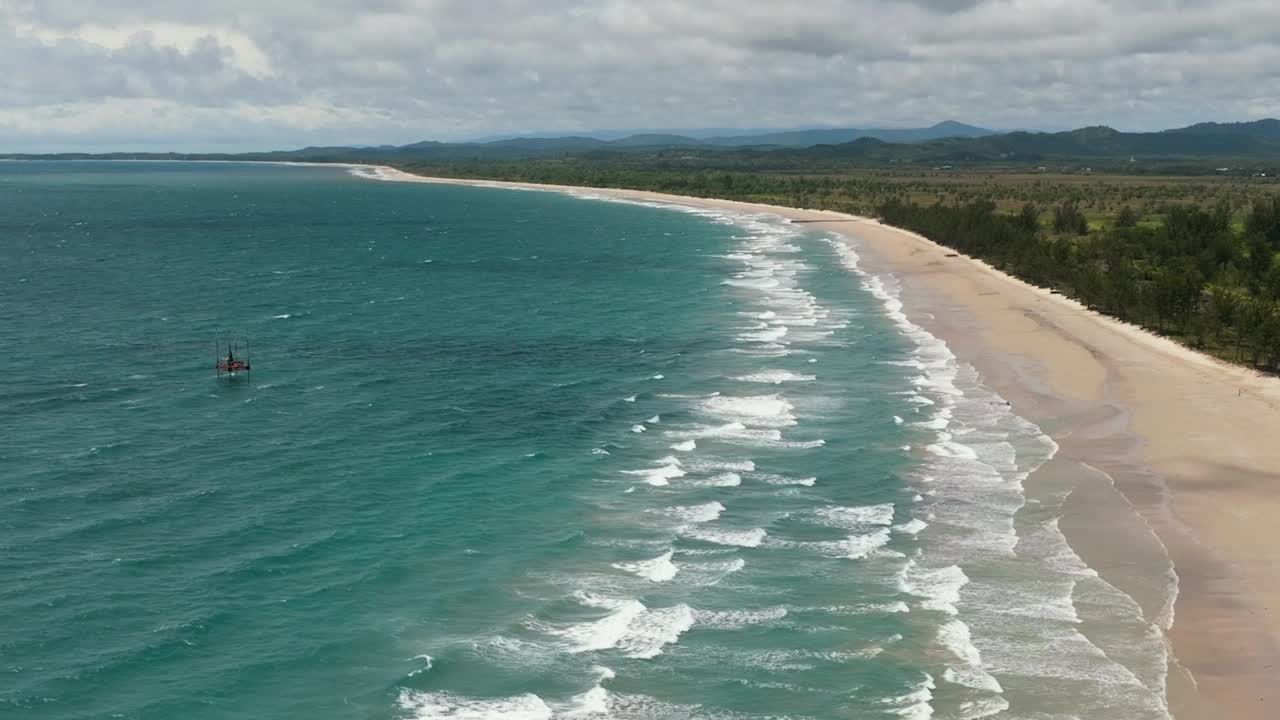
(260, 74)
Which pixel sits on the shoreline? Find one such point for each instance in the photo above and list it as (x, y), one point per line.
(1186, 441)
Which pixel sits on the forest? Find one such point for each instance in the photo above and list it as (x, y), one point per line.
(1192, 276)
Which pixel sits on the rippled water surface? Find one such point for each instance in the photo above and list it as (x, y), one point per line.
(505, 454)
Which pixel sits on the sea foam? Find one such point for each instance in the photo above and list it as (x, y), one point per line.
(659, 569)
(434, 706)
(770, 411)
(740, 538)
(696, 513)
(775, 377)
(629, 626)
(667, 469)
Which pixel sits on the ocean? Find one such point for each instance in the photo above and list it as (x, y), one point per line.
(507, 454)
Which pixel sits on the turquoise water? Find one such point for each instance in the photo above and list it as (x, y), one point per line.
(504, 454)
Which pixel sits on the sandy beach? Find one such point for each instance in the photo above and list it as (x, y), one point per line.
(1169, 453)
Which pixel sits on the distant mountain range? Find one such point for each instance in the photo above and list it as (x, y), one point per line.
(790, 137)
(944, 143)
(780, 139)
(808, 138)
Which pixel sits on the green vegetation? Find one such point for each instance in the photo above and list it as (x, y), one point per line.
(1191, 276)
(1100, 197)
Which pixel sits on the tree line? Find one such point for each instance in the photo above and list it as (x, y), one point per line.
(1193, 276)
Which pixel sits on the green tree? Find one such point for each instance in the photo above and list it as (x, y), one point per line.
(1029, 218)
(1270, 285)
(1263, 221)
(1262, 329)
(1260, 256)
(1223, 303)
(1067, 218)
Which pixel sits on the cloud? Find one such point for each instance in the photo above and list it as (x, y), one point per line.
(250, 74)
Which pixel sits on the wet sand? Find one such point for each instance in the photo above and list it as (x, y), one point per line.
(1170, 454)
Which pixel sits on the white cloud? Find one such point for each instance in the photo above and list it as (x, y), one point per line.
(288, 72)
(185, 39)
(118, 118)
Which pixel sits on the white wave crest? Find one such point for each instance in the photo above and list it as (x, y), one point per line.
(710, 465)
(854, 547)
(668, 469)
(938, 587)
(729, 479)
(911, 527)
(737, 619)
(770, 479)
(856, 516)
(438, 706)
(718, 536)
(955, 637)
(659, 569)
(696, 513)
(730, 432)
(859, 546)
(770, 411)
(914, 705)
(775, 377)
(637, 631)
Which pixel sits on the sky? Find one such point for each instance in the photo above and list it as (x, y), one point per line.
(228, 75)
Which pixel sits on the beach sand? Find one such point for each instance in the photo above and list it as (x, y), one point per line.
(1168, 451)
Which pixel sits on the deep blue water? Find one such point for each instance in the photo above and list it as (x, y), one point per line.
(502, 454)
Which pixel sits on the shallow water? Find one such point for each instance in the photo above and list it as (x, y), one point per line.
(507, 454)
